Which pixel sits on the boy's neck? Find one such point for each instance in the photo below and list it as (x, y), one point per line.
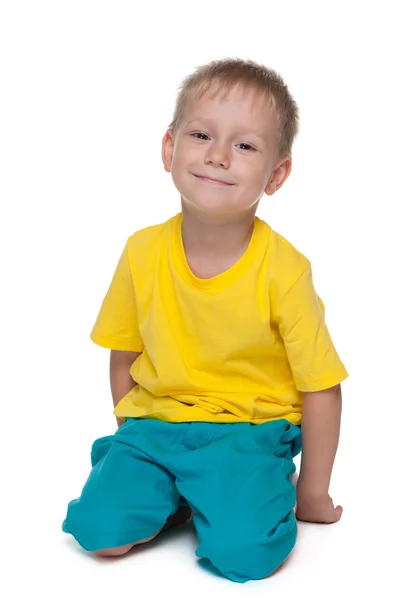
(214, 245)
(216, 236)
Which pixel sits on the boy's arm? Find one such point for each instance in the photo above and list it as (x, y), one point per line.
(120, 379)
(320, 432)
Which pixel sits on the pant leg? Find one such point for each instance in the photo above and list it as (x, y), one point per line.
(127, 497)
(242, 497)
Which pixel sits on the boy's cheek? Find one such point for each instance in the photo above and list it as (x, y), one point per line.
(184, 164)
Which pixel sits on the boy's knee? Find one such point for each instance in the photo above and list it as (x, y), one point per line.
(244, 560)
(114, 551)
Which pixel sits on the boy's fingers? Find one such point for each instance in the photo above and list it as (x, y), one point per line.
(339, 511)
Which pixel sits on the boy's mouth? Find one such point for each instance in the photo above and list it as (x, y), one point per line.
(212, 180)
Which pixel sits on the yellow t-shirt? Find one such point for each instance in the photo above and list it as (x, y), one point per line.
(240, 346)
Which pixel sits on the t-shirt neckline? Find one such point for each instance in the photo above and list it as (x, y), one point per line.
(231, 275)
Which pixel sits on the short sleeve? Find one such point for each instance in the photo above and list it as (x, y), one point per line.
(313, 359)
(116, 326)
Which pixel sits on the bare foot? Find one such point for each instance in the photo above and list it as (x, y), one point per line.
(182, 515)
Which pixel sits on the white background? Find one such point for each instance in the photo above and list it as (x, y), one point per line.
(87, 91)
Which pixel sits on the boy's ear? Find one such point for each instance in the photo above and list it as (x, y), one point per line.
(280, 173)
(167, 150)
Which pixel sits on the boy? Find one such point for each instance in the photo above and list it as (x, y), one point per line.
(221, 364)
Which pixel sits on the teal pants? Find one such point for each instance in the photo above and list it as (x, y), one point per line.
(235, 477)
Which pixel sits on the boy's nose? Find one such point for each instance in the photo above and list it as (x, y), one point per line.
(218, 155)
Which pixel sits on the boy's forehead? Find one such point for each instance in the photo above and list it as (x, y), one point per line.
(250, 106)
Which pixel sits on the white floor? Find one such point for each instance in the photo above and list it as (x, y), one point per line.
(327, 562)
(356, 556)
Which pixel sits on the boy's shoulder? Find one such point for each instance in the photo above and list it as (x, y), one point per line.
(148, 235)
(285, 250)
(286, 263)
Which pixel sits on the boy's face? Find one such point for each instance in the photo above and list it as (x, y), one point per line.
(223, 155)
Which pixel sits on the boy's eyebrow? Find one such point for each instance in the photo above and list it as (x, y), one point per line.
(211, 122)
(205, 119)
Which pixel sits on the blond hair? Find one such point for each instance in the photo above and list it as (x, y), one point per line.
(228, 72)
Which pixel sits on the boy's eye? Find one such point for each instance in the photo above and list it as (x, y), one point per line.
(247, 146)
(203, 136)
(200, 136)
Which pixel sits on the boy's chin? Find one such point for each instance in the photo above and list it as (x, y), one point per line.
(216, 212)
(210, 205)
(206, 208)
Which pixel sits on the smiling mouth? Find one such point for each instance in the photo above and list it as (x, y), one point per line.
(211, 180)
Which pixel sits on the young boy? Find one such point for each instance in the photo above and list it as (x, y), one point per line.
(222, 368)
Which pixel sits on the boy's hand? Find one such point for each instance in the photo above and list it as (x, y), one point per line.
(317, 510)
